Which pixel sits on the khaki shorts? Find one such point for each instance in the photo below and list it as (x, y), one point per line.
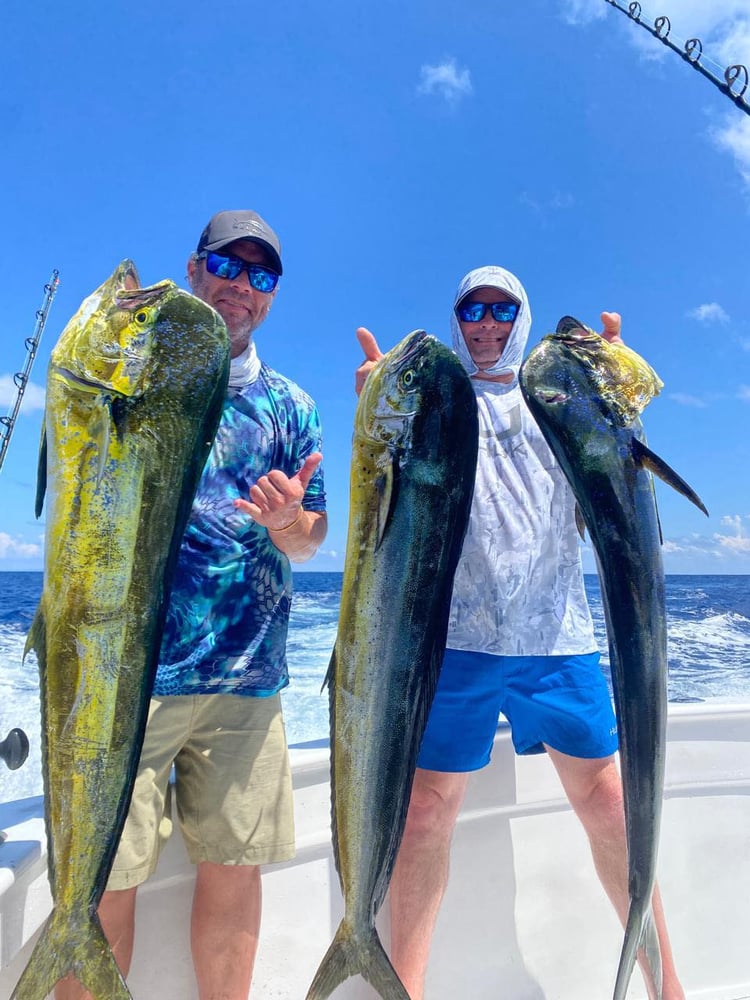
(232, 788)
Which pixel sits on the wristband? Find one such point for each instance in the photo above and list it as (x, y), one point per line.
(291, 523)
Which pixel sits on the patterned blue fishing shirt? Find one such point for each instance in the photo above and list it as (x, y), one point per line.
(228, 614)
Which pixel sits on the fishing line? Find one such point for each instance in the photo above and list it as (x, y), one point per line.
(21, 378)
(735, 83)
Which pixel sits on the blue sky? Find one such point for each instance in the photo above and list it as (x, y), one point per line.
(394, 146)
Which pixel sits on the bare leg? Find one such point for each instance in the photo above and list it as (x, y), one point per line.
(595, 792)
(224, 929)
(421, 872)
(117, 916)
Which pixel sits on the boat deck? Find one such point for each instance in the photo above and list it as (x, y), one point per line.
(524, 916)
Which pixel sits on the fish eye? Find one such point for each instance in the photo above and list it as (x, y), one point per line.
(408, 377)
(141, 316)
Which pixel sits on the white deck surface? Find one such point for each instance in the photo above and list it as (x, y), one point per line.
(524, 917)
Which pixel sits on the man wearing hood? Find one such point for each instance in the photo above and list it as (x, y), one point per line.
(520, 637)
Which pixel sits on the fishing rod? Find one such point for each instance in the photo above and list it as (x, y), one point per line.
(736, 79)
(21, 378)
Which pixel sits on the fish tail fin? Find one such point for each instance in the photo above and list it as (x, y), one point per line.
(348, 956)
(640, 934)
(72, 947)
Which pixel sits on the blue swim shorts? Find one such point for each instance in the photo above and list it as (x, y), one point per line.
(562, 701)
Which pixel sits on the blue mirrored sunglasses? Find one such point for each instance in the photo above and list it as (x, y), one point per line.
(262, 279)
(473, 312)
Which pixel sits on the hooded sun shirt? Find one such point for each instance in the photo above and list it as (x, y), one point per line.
(518, 589)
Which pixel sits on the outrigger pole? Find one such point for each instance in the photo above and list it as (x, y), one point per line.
(21, 378)
(736, 79)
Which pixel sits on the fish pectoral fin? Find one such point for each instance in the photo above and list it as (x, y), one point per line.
(385, 491)
(648, 460)
(658, 523)
(100, 429)
(330, 673)
(37, 637)
(41, 472)
(580, 523)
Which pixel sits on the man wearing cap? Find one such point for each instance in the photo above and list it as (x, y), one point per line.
(216, 711)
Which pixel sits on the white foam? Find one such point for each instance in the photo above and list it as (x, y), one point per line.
(709, 660)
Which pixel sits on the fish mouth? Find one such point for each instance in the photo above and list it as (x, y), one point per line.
(127, 275)
(570, 328)
(83, 383)
(130, 295)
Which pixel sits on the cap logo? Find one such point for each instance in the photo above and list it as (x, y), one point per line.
(250, 227)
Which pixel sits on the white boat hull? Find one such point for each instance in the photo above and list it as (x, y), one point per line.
(524, 917)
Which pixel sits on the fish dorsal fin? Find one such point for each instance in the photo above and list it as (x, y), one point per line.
(385, 490)
(646, 458)
(580, 523)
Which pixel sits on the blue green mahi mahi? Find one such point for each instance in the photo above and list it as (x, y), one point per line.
(412, 476)
(586, 394)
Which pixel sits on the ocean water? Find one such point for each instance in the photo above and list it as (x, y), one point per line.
(708, 619)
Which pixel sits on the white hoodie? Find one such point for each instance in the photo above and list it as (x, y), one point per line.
(519, 587)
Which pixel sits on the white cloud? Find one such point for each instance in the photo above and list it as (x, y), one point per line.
(684, 399)
(11, 548)
(723, 23)
(733, 44)
(445, 80)
(559, 200)
(736, 544)
(734, 137)
(33, 397)
(697, 553)
(744, 393)
(723, 27)
(710, 312)
(583, 11)
(739, 540)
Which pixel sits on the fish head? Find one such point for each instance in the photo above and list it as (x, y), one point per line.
(557, 389)
(415, 433)
(419, 379)
(107, 345)
(391, 394)
(189, 341)
(621, 377)
(574, 370)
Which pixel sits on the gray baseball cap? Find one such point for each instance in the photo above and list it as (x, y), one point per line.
(226, 227)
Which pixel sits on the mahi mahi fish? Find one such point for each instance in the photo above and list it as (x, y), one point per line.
(135, 389)
(412, 477)
(587, 394)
